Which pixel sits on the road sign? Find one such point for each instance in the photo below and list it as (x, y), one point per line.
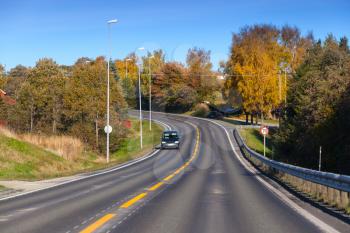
(108, 129)
(264, 130)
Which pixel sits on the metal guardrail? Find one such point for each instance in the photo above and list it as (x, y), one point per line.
(332, 180)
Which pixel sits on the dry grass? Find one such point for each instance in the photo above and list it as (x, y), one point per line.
(8, 133)
(65, 146)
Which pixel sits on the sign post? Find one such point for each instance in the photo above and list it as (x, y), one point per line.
(264, 130)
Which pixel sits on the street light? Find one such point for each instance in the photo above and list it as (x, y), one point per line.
(150, 92)
(108, 128)
(141, 49)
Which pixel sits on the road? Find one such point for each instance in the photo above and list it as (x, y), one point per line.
(202, 187)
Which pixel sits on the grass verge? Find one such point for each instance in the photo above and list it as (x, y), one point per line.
(20, 160)
(255, 141)
(130, 148)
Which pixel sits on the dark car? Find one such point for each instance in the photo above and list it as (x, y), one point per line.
(170, 140)
(215, 115)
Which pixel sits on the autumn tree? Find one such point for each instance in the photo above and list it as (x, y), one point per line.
(127, 73)
(259, 55)
(170, 90)
(200, 74)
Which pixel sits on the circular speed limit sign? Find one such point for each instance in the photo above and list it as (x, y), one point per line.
(264, 130)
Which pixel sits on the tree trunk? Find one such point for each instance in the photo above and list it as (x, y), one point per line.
(256, 118)
(251, 119)
(246, 118)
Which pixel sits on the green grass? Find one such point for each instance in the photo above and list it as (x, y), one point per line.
(20, 160)
(255, 141)
(130, 147)
(233, 121)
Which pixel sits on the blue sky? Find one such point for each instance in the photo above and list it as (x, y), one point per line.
(68, 29)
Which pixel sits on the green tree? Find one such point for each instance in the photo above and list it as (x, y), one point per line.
(318, 86)
(16, 77)
(85, 101)
(40, 94)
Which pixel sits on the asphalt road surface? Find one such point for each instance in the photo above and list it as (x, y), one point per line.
(202, 187)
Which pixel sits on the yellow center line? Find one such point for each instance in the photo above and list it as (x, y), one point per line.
(94, 226)
(169, 177)
(98, 223)
(156, 186)
(133, 200)
(194, 154)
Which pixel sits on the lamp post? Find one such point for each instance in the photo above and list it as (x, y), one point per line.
(108, 128)
(141, 49)
(150, 92)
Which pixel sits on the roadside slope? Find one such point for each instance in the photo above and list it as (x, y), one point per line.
(21, 160)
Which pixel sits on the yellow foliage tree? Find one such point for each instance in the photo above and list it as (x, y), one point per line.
(258, 60)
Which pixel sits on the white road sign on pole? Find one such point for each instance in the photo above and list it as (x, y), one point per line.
(264, 130)
(108, 129)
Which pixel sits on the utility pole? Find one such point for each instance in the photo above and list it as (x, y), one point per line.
(264, 145)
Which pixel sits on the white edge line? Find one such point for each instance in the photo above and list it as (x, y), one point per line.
(127, 164)
(306, 214)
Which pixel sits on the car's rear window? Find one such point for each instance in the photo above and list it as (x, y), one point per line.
(170, 135)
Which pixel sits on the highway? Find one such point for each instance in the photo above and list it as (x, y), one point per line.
(203, 187)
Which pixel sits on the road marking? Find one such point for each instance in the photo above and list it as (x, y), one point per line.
(133, 200)
(156, 186)
(119, 167)
(169, 177)
(313, 219)
(26, 210)
(306, 214)
(98, 223)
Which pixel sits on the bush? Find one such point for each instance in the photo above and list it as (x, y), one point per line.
(201, 110)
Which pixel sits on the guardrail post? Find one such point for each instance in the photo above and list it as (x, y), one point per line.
(344, 199)
(318, 192)
(337, 198)
(314, 190)
(330, 196)
(324, 193)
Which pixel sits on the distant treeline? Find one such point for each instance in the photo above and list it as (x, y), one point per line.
(55, 99)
